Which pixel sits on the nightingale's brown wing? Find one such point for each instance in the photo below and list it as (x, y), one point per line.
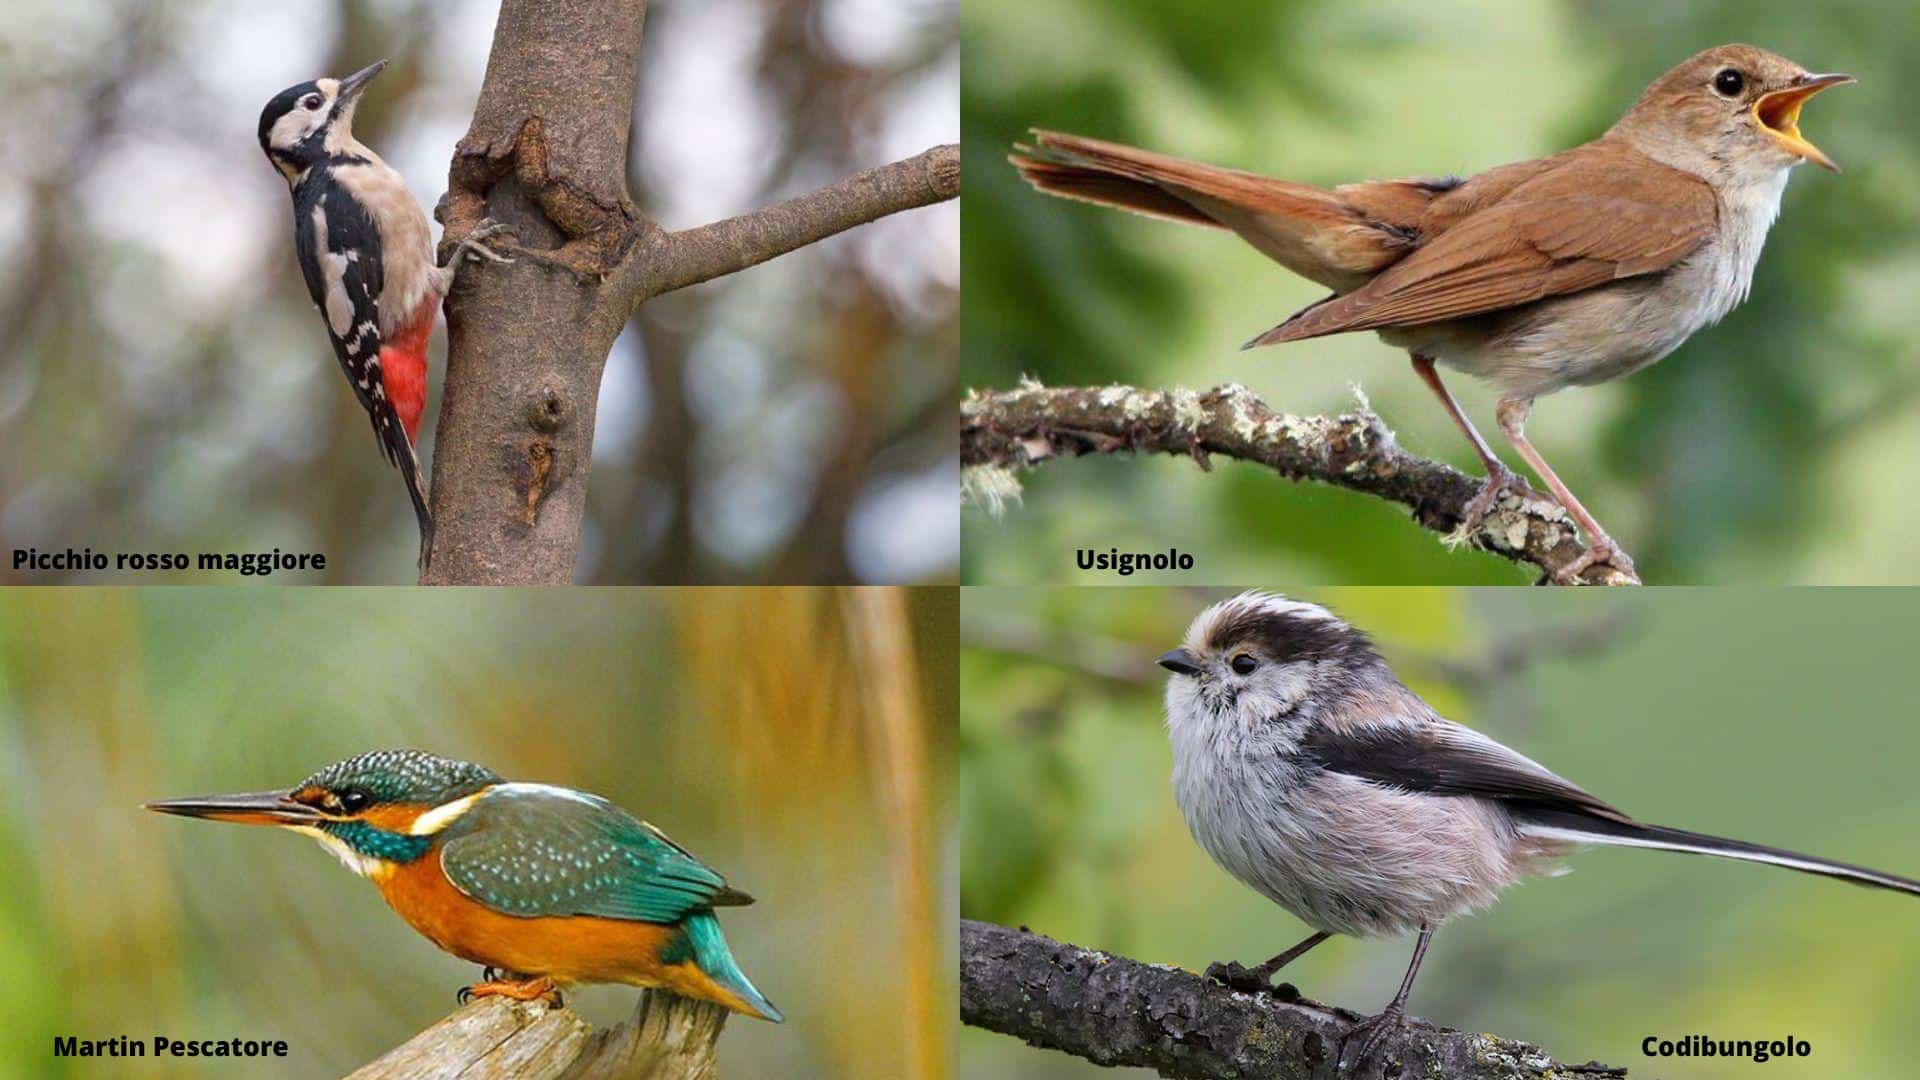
(1602, 213)
(1339, 238)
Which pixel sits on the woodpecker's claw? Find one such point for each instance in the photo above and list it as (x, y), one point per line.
(473, 245)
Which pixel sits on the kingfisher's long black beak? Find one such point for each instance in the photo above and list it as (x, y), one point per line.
(1180, 662)
(352, 85)
(250, 808)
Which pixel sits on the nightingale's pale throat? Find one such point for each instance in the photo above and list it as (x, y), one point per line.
(1563, 271)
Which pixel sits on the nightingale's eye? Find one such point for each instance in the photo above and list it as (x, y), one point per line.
(311, 101)
(1729, 82)
(1243, 664)
(353, 801)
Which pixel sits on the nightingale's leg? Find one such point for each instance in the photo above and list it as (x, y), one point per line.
(1499, 477)
(1254, 979)
(1377, 1027)
(1512, 413)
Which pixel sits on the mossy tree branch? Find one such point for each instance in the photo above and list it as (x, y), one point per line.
(1114, 1011)
(1005, 431)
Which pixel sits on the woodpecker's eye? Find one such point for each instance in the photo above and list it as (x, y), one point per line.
(1243, 664)
(1729, 82)
(353, 801)
(311, 101)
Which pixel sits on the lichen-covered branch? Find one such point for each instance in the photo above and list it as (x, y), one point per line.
(1114, 1011)
(1005, 431)
(726, 247)
(667, 1038)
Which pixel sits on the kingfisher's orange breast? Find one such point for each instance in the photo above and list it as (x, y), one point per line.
(569, 949)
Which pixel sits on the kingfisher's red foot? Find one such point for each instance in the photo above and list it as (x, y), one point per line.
(541, 988)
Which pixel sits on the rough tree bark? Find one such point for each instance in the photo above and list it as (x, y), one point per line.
(667, 1038)
(1115, 1011)
(1003, 431)
(547, 154)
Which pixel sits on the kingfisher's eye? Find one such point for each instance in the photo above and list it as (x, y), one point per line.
(1243, 664)
(353, 801)
(1729, 82)
(311, 101)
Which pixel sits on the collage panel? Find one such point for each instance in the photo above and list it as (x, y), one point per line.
(478, 292)
(1165, 788)
(1259, 292)
(506, 782)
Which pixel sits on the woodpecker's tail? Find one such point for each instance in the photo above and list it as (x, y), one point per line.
(398, 450)
(710, 955)
(410, 468)
(1586, 829)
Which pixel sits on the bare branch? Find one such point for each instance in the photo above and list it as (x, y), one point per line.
(1114, 1011)
(725, 247)
(667, 1038)
(1002, 431)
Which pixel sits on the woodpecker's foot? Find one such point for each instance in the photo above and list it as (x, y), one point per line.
(474, 244)
(1602, 551)
(1236, 976)
(1499, 481)
(1371, 1032)
(540, 988)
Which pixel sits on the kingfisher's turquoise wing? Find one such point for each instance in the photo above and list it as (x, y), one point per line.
(528, 849)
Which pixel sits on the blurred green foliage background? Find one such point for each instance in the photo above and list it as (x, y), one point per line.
(1767, 449)
(800, 741)
(1780, 716)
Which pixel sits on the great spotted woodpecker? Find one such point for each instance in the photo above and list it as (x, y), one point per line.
(365, 251)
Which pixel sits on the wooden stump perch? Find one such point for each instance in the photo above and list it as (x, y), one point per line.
(1115, 1011)
(667, 1038)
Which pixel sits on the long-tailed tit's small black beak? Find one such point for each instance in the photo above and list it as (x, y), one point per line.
(1180, 662)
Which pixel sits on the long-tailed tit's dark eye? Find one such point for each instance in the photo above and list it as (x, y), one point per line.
(1243, 664)
(1728, 83)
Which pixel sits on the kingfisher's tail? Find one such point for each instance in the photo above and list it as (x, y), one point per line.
(710, 955)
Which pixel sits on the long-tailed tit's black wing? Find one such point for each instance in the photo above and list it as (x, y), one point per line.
(1443, 758)
(1447, 759)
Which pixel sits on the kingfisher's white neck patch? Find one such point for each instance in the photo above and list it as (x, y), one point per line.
(446, 814)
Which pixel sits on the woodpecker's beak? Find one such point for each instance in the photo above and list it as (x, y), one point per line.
(1779, 114)
(1180, 662)
(352, 85)
(252, 808)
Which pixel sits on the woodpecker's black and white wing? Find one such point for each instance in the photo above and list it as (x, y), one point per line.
(340, 256)
(1431, 755)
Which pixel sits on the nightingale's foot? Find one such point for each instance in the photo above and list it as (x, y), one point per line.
(1371, 1032)
(1236, 976)
(541, 988)
(1601, 552)
(474, 244)
(1499, 481)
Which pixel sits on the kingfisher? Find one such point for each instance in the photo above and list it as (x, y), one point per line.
(545, 887)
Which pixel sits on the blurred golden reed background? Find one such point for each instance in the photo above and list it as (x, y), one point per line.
(799, 740)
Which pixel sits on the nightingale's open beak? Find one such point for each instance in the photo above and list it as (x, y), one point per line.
(252, 808)
(1180, 662)
(352, 85)
(1779, 113)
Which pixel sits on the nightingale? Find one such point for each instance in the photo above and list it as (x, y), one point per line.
(1567, 270)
